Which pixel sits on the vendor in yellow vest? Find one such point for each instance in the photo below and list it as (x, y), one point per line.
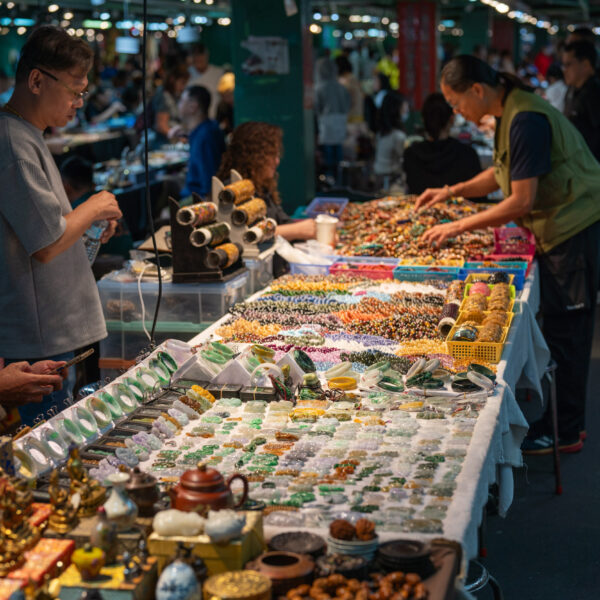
(551, 184)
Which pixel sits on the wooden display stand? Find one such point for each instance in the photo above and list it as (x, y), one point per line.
(218, 558)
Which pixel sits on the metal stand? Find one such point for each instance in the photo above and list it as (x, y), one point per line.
(483, 578)
(550, 373)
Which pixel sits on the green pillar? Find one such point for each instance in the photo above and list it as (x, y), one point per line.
(476, 25)
(282, 99)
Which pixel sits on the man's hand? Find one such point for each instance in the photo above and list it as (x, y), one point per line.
(430, 197)
(19, 384)
(43, 367)
(437, 235)
(109, 231)
(103, 205)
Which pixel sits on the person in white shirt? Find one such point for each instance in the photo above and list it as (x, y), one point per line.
(207, 75)
(556, 91)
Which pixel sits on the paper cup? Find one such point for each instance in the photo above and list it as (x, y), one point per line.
(326, 226)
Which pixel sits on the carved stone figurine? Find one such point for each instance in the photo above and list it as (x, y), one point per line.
(64, 511)
(91, 493)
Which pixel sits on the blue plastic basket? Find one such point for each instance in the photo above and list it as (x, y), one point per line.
(317, 206)
(518, 269)
(423, 273)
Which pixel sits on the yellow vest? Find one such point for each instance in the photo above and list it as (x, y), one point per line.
(568, 197)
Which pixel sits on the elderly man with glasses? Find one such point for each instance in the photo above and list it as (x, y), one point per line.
(49, 303)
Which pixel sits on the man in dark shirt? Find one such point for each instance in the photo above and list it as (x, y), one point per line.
(579, 67)
(207, 143)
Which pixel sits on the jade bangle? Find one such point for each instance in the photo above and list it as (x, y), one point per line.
(147, 378)
(27, 467)
(168, 361)
(126, 398)
(34, 448)
(100, 411)
(382, 365)
(222, 349)
(136, 387)
(214, 357)
(342, 383)
(338, 370)
(53, 440)
(70, 431)
(86, 422)
(115, 409)
(160, 369)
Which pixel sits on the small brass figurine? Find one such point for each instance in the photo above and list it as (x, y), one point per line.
(91, 493)
(64, 511)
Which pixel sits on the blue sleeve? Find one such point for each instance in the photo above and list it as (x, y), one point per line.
(206, 149)
(530, 141)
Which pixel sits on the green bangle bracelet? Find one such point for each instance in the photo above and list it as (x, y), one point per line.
(70, 431)
(222, 349)
(86, 422)
(136, 387)
(168, 361)
(147, 378)
(214, 357)
(38, 452)
(126, 398)
(382, 365)
(115, 409)
(57, 446)
(160, 369)
(100, 411)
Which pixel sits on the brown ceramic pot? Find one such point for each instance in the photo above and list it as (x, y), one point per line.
(204, 488)
(143, 490)
(286, 570)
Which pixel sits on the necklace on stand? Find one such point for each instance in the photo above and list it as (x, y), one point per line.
(10, 109)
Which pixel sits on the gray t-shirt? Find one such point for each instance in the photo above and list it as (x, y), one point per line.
(45, 309)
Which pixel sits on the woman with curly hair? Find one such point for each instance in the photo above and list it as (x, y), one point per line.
(254, 152)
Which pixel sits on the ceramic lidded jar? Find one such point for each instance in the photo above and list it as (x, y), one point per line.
(178, 582)
(120, 508)
(143, 490)
(204, 488)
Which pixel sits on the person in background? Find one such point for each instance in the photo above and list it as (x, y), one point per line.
(224, 118)
(543, 59)
(507, 64)
(372, 104)
(255, 151)
(101, 106)
(164, 113)
(439, 160)
(480, 51)
(390, 141)
(6, 87)
(332, 104)
(356, 126)
(204, 74)
(77, 175)
(579, 68)
(205, 138)
(557, 88)
(49, 304)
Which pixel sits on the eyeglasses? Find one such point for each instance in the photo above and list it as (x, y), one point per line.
(76, 95)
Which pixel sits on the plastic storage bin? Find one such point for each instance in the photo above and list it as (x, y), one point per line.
(514, 240)
(260, 271)
(328, 206)
(516, 269)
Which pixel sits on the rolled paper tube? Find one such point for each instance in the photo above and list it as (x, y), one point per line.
(156, 365)
(168, 361)
(237, 192)
(58, 448)
(260, 232)
(223, 256)
(249, 212)
(213, 235)
(197, 214)
(100, 411)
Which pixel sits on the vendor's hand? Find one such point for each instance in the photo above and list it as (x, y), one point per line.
(43, 367)
(438, 234)
(109, 231)
(20, 385)
(430, 197)
(305, 229)
(176, 132)
(104, 205)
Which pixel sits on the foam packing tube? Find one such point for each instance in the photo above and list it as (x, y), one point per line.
(212, 234)
(38, 452)
(100, 411)
(86, 421)
(58, 448)
(197, 214)
(265, 369)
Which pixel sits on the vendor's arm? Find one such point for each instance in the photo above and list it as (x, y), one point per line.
(101, 206)
(479, 186)
(19, 384)
(519, 203)
(298, 230)
(107, 113)
(162, 123)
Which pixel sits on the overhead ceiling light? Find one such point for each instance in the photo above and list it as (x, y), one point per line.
(209, 2)
(100, 37)
(105, 16)
(385, 21)
(225, 21)
(317, 16)
(314, 28)
(335, 16)
(21, 30)
(53, 8)
(68, 16)
(10, 5)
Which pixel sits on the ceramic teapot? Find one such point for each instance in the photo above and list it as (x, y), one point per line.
(205, 488)
(143, 490)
